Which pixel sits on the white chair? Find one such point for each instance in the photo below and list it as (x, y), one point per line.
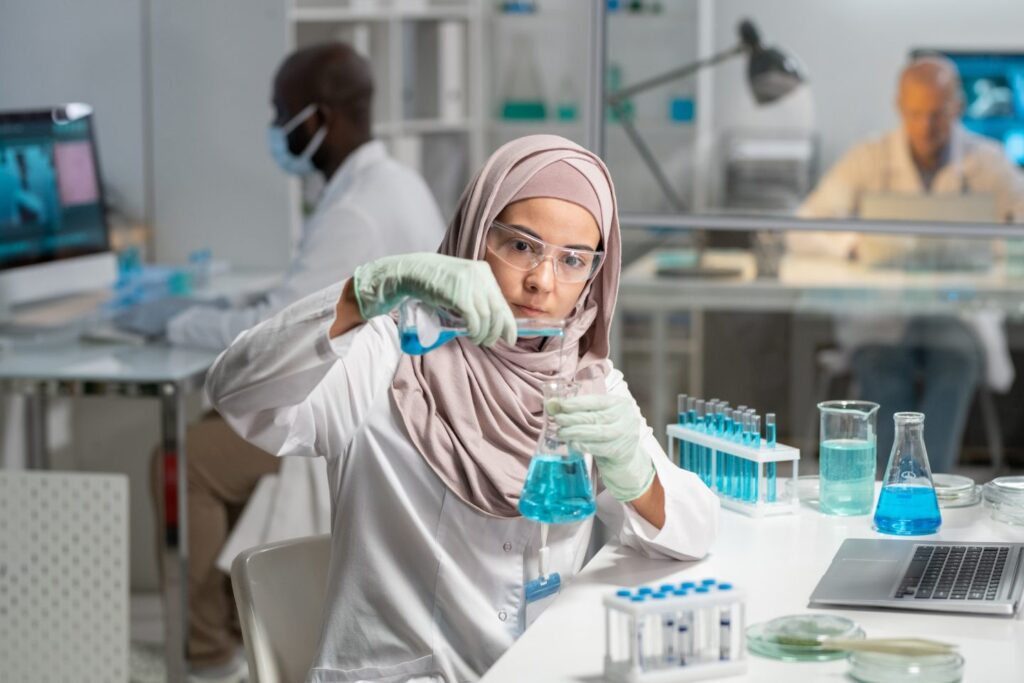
(280, 590)
(63, 577)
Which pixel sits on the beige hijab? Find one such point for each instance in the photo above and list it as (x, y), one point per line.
(475, 414)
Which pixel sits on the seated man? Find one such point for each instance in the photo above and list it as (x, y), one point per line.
(371, 207)
(931, 365)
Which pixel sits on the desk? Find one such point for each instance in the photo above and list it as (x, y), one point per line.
(153, 371)
(778, 561)
(805, 285)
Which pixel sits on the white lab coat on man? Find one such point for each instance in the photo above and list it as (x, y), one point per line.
(372, 207)
(884, 165)
(421, 586)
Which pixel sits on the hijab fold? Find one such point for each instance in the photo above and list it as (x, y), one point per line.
(475, 414)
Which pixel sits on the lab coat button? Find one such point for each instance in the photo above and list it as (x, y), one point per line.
(507, 547)
(502, 615)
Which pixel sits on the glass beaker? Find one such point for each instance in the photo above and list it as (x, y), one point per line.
(557, 488)
(907, 505)
(422, 327)
(523, 96)
(846, 456)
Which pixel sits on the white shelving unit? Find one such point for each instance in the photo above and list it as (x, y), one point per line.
(427, 63)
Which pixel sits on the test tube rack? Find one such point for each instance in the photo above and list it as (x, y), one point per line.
(678, 632)
(743, 475)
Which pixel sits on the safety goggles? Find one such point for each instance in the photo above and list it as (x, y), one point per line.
(525, 252)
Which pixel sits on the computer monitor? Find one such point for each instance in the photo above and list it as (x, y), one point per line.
(993, 95)
(54, 239)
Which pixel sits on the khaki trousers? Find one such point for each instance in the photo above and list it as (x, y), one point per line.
(223, 470)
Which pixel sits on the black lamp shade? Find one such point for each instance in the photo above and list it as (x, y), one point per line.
(771, 74)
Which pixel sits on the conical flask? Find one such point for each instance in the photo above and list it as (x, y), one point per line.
(557, 488)
(907, 505)
(523, 96)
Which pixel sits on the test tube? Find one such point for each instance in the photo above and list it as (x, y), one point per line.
(724, 634)
(681, 418)
(770, 468)
(697, 451)
(636, 641)
(723, 458)
(691, 420)
(668, 640)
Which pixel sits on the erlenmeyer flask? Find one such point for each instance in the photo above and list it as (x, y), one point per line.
(557, 488)
(422, 327)
(907, 505)
(523, 98)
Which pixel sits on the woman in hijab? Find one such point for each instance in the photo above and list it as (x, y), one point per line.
(427, 455)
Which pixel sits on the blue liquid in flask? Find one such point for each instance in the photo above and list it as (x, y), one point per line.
(411, 345)
(557, 489)
(907, 511)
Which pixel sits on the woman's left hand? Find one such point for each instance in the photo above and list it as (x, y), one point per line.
(609, 428)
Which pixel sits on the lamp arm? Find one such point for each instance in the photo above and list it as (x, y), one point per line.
(683, 71)
(648, 158)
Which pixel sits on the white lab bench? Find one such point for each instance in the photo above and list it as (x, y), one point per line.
(777, 561)
(154, 371)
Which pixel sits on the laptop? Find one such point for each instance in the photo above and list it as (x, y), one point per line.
(927, 253)
(969, 578)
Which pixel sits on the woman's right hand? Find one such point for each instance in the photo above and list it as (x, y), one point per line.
(463, 286)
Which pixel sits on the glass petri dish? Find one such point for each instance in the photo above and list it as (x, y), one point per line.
(797, 637)
(806, 489)
(879, 667)
(955, 491)
(1004, 496)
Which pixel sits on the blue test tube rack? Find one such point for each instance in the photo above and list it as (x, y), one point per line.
(747, 483)
(688, 631)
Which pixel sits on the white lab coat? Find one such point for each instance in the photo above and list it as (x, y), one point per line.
(884, 165)
(372, 207)
(421, 586)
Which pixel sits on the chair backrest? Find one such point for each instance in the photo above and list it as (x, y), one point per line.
(63, 577)
(280, 590)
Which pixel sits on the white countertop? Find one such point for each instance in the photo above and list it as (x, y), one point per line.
(778, 560)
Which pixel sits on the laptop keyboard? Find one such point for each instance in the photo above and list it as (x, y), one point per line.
(954, 572)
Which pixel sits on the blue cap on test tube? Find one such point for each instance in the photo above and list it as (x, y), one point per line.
(685, 585)
(725, 586)
(708, 582)
(644, 590)
(666, 587)
(703, 589)
(623, 593)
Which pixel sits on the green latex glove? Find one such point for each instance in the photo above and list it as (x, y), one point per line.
(460, 285)
(608, 427)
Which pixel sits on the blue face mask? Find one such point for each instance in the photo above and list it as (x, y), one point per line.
(277, 141)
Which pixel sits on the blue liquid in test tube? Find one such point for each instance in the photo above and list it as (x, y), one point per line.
(696, 450)
(755, 467)
(681, 418)
(770, 468)
(723, 457)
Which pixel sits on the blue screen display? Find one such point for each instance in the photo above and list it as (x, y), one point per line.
(51, 197)
(994, 97)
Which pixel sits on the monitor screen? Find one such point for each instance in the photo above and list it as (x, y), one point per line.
(993, 95)
(51, 197)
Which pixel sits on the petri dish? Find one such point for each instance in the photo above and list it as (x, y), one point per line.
(1004, 496)
(956, 491)
(798, 637)
(805, 490)
(879, 667)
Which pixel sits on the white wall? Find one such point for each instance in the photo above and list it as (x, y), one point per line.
(54, 51)
(852, 50)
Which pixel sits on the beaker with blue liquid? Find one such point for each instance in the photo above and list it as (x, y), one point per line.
(847, 457)
(423, 328)
(557, 488)
(908, 505)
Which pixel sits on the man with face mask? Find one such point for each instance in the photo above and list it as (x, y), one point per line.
(371, 207)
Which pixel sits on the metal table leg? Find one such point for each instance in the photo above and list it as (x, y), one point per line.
(175, 542)
(37, 452)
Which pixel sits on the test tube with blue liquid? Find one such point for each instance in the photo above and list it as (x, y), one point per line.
(755, 467)
(691, 421)
(771, 468)
(697, 451)
(681, 418)
(721, 473)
